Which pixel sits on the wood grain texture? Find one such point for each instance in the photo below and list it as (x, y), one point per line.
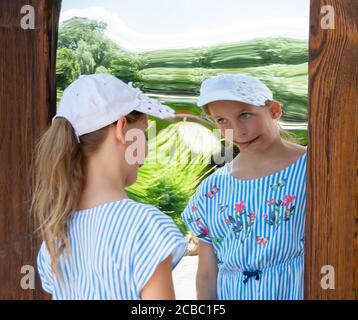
(27, 103)
(332, 222)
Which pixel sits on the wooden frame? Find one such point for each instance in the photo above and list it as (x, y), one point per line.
(27, 102)
(332, 221)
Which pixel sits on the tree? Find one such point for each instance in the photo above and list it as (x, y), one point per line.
(87, 38)
(67, 68)
(101, 69)
(85, 58)
(74, 30)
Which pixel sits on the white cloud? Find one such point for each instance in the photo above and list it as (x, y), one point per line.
(130, 39)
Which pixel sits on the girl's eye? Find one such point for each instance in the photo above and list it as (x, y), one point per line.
(221, 121)
(245, 115)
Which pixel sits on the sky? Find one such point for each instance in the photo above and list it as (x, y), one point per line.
(140, 25)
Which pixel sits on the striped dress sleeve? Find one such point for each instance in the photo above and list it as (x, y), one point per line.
(194, 216)
(156, 239)
(44, 268)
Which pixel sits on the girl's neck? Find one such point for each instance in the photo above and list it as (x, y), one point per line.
(278, 155)
(105, 180)
(101, 188)
(91, 199)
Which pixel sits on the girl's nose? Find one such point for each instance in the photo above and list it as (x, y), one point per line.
(239, 130)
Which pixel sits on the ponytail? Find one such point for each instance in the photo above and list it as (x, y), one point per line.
(58, 178)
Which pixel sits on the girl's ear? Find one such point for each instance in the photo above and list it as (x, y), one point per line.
(276, 110)
(120, 129)
(206, 110)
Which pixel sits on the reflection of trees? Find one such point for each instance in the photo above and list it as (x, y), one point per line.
(281, 63)
(125, 68)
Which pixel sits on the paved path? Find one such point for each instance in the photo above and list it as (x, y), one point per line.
(184, 278)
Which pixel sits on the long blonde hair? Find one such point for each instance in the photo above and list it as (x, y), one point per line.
(58, 176)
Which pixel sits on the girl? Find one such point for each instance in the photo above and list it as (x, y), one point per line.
(98, 243)
(250, 214)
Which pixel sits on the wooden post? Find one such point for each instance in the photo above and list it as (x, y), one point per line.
(27, 103)
(332, 221)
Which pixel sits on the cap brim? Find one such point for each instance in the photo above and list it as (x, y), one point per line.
(166, 115)
(216, 96)
(157, 110)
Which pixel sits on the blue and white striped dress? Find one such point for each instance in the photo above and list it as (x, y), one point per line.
(115, 249)
(256, 228)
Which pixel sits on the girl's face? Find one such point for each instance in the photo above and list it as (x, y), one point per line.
(253, 128)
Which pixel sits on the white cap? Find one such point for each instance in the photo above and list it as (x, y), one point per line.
(234, 87)
(97, 100)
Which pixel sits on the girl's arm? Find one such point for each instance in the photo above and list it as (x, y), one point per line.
(160, 285)
(207, 272)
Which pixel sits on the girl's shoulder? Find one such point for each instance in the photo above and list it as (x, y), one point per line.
(211, 183)
(121, 211)
(148, 215)
(133, 220)
(297, 155)
(297, 150)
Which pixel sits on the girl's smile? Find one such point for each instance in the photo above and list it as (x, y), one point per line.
(243, 145)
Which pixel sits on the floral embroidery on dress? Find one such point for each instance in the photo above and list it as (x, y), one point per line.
(204, 230)
(219, 261)
(189, 220)
(288, 199)
(217, 239)
(275, 217)
(222, 207)
(262, 240)
(242, 218)
(278, 185)
(212, 193)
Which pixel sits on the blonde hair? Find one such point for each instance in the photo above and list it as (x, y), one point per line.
(58, 176)
(285, 135)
